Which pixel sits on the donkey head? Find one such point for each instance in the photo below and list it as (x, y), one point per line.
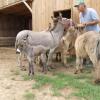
(23, 42)
(80, 28)
(55, 20)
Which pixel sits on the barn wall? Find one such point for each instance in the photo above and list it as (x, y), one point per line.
(94, 4)
(43, 10)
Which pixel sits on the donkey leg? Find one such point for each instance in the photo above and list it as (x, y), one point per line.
(49, 61)
(96, 67)
(20, 61)
(19, 57)
(97, 73)
(78, 64)
(59, 56)
(43, 61)
(64, 57)
(31, 68)
(81, 65)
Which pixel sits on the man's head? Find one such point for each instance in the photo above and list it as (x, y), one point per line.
(81, 7)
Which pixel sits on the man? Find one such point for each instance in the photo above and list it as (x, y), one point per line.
(88, 17)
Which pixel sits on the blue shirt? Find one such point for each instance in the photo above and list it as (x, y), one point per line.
(90, 15)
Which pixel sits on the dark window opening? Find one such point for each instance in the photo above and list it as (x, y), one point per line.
(65, 13)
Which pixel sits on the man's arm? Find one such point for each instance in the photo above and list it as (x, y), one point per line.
(91, 23)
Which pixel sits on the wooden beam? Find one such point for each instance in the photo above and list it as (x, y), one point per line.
(26, 4)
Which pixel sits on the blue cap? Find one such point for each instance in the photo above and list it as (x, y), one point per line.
(81, 3)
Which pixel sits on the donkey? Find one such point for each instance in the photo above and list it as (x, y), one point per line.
(33, 51)
(68, 40)
(88, 44)
(47, 39)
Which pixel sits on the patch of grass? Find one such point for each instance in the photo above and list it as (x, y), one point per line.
(29, 96)
(55, 92)
(81, 84)
(41, 81)
(57, 82)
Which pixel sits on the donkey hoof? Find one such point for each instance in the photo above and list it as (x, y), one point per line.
(76, 72)
(30, 74)
(33, 73)
(45, 72)
(81, 70)
(97, 81)
(53, 67)
(23, 68)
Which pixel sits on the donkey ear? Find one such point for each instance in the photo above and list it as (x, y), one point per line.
(60, 14)
(52, 17)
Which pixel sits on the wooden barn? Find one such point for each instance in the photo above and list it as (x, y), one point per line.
(16, 15)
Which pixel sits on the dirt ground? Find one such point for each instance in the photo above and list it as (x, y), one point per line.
(12, 85)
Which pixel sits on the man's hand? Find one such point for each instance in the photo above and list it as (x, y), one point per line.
(81, 25)
(84, 24)
(95, 22)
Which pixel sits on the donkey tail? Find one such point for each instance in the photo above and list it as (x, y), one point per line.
(98, 50)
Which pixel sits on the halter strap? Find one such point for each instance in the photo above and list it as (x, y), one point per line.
(52, 36)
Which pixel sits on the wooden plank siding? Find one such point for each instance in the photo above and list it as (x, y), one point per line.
(7, 41)
(43, 10)
(94, 4)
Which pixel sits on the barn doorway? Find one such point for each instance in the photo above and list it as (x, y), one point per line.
(65, 13)
(12, 20)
